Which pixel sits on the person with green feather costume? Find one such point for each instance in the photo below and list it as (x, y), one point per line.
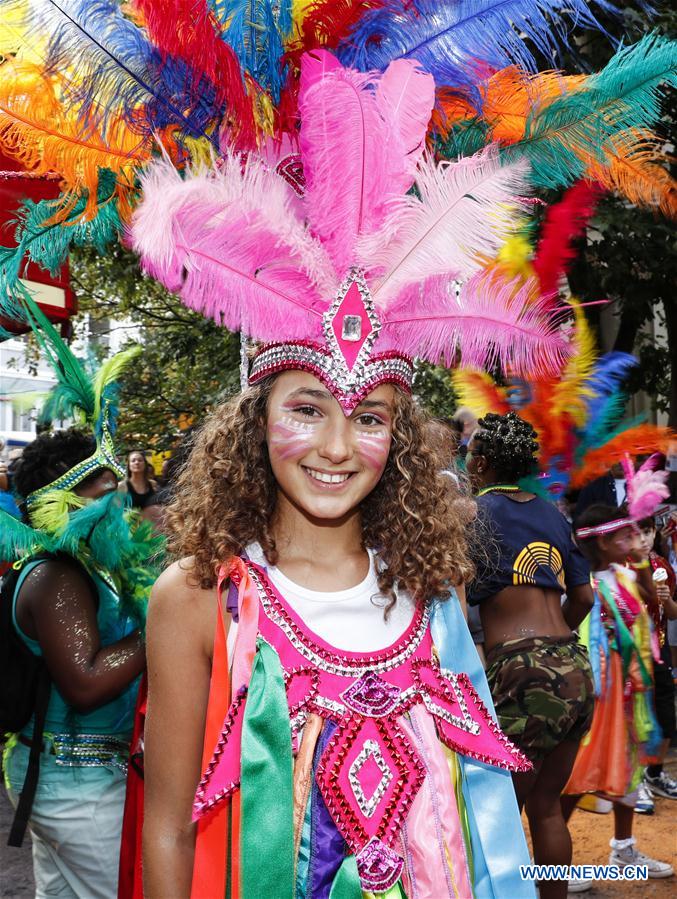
(83, 565)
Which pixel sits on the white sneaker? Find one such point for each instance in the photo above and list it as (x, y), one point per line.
(579, 884)
(662, 785)
(644, 804)
(631, 856)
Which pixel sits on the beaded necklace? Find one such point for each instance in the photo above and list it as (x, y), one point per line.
(499, 488)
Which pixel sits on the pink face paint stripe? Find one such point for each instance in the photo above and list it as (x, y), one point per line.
(290, 441)
(374, 448)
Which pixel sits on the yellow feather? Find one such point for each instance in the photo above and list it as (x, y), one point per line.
(478, 391)
(569, 393)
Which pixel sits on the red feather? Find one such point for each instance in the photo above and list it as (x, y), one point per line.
(564, 222)
(325, 23)
(188, 30)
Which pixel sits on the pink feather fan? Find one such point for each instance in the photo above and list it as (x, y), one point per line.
(239, 246)
(646, 488)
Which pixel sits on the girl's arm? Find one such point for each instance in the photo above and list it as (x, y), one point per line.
(179, 635)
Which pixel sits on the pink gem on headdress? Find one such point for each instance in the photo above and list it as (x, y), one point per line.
(351, 327)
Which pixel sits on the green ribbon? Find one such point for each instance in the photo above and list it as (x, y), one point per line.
(627, 647)
(266, 828)
(347, 885)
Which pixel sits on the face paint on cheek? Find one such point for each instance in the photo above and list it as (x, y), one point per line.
(291, 438)
(374, 447)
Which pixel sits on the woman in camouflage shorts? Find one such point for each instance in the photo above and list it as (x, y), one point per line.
(539, 675)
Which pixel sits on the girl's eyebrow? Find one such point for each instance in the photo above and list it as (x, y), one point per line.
(311, 392)
(375, 404)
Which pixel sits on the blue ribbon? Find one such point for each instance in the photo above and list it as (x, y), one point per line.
(498, 843)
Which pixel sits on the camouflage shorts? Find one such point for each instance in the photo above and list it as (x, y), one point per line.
(543, 692)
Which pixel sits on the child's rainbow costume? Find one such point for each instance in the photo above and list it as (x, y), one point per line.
(621, 643)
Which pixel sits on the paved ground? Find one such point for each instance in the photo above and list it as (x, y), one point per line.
(656, 835)
(16, 865)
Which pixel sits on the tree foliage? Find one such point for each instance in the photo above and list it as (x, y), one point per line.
(188, 364)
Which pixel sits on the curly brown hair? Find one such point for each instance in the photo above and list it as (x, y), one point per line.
(225, 497)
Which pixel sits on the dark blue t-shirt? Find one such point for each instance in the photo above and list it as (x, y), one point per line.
(525, 544)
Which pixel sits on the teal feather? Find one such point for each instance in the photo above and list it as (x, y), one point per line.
(74, 392)
(601, 433)
(592, 123)
(49, 243)
(108, 537)
(464, 139)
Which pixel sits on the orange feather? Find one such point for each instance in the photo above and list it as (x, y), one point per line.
(640, 440)
(479, 392)
(38, 130)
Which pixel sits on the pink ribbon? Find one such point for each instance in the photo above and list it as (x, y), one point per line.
(248, 620)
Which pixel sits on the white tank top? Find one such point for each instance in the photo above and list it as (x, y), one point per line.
(349, 619)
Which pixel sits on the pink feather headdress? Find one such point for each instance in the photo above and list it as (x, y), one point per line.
(332, 261)
(645, 488)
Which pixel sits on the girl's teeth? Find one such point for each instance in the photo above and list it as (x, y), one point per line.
(328, 478)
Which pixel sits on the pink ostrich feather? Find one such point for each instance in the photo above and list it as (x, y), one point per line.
(465, 211)
(361, 136)
(490, 322)
(229, 242)
(646, 488)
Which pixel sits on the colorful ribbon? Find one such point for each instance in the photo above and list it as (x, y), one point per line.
(499, 845)
(266, 792)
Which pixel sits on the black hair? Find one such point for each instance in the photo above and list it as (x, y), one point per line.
(49, 456)
(647, 524)
(455, 425)
(509, 445)
(593, 517)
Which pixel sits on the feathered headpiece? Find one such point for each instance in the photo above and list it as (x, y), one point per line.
(346, 272)
(91, 401)
(578, 412)
(645, 488)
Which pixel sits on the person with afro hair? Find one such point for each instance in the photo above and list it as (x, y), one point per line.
(67, 609)
(540, 677)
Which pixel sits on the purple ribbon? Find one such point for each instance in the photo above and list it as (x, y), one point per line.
(327, 846)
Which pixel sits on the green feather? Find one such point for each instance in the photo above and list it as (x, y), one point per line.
(74, 392)
(105, 386)
(593, 122)
(18, 539)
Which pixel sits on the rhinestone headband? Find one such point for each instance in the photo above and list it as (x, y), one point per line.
(608, 527)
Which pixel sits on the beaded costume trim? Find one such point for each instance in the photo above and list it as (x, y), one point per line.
(335, 662)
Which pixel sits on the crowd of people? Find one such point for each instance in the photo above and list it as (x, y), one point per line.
(579, 710)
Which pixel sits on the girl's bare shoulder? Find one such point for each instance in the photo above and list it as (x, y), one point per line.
(179, 603)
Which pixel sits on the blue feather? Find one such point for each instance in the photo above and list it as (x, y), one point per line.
(459, 41)
(257, 30)
(598, 645)
(116, 71)
(605, 381)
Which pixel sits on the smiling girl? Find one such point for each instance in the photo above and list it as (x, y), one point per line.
(308, 504)
(316, 705)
